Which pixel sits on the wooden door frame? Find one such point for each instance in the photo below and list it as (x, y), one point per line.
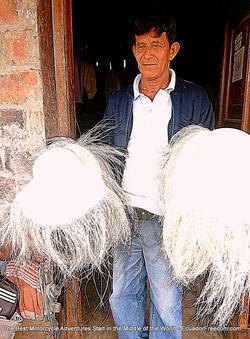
(243, 121)
(55, 35)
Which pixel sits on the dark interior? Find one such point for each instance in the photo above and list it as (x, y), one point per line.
(101, 34)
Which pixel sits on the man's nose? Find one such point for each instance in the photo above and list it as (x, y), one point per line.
(148, 52)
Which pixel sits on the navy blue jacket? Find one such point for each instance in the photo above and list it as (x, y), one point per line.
(190, 105)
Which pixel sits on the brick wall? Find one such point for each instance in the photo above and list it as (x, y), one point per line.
(21, 106)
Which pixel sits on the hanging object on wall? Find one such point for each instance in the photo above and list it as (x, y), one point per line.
(85, 80)
(73, 212)
(206, 226)
(235, 80)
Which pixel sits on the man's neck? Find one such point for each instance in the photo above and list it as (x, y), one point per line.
(150, 87)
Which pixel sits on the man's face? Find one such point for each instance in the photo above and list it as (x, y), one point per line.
(153, 54)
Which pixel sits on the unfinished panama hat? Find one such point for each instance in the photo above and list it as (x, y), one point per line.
(206, 226)
(72, 212)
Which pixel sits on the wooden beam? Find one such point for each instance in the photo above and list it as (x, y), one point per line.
(64, 66)
(46, 50)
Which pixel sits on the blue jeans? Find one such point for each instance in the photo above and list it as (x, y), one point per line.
(131, 268)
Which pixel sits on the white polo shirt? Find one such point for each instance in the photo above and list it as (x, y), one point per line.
(148, 137)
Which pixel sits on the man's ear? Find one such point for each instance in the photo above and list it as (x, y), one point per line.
(133, 49)
(174, 49)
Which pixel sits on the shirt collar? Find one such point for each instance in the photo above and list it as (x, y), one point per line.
(136, 86)
(170, 87)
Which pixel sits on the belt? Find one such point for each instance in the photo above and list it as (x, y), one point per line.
(143, 214)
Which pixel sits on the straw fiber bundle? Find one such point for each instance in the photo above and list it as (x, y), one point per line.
(73, 212)
(205, 179)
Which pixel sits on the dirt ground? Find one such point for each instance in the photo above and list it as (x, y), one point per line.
(99, 324)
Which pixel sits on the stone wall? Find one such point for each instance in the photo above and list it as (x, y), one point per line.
(22, 131)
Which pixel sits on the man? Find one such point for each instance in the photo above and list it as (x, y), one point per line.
(146, 115)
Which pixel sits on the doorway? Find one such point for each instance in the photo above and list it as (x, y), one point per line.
(101, 40)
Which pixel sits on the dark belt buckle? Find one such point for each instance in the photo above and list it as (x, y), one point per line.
(143, 214)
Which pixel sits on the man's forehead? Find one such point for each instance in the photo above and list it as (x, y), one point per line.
(152, 34)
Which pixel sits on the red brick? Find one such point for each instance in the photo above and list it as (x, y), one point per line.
(17, 47)
(8, 11)
(16, 87)
(7, 189)
(11, 116)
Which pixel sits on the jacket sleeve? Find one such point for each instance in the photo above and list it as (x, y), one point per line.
(207, 112)
(108, 123)
(199, 106)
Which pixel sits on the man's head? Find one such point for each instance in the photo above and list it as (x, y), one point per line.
(154, 44)
(160, 23)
